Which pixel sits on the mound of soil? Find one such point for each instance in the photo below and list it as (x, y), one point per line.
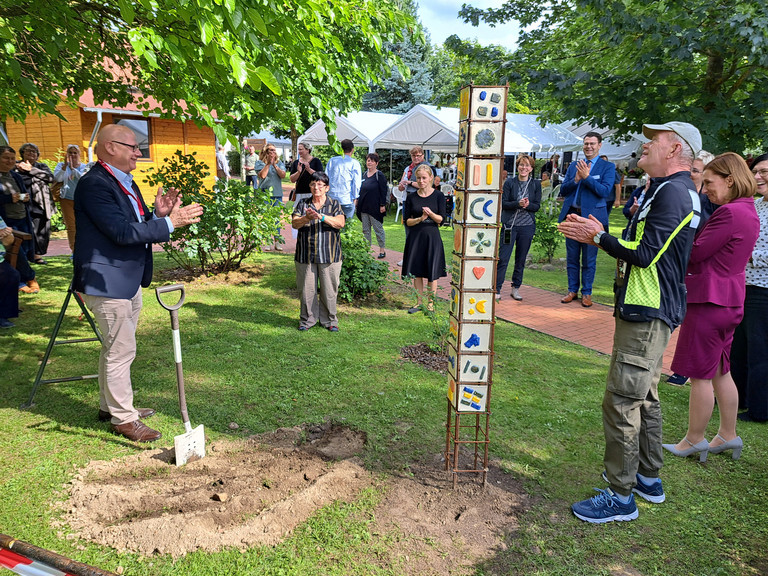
(256, 491)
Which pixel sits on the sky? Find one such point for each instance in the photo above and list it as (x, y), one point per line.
(440, 18)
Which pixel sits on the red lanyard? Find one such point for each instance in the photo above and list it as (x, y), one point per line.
(133, 195)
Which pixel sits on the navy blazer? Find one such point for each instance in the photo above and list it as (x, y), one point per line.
(594, 190)
(113, 249)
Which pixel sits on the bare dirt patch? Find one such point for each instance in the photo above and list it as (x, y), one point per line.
(257, 491)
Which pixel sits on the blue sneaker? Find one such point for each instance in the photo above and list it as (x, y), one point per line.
(652, 492)
(605, 507)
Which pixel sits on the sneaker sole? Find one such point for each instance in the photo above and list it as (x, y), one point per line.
(643, 495)
(617, 518)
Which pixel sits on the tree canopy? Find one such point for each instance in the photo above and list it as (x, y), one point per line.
(243, 61)
(619, 64)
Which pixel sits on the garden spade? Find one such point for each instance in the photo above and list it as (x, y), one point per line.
(189, 446)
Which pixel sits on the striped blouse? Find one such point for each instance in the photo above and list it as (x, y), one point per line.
(318, 242)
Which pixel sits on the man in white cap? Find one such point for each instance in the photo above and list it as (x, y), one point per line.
(652, 256)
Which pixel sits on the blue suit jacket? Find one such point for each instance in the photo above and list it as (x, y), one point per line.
(594, 190)
(113, 249)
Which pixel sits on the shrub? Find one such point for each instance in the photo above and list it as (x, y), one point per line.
(361, 273)
(548, 238)
(237, 220)
(235, 163)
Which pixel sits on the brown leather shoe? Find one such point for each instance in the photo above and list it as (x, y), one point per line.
(32, 287)
(570, 297)
(586, 300)
(143, 413)
(136, 431)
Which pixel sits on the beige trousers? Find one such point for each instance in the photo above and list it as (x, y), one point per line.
(318, 304)
(68, 212)
(117, 320)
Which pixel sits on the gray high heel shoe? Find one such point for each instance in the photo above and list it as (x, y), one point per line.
(737, 445)
(702, 448)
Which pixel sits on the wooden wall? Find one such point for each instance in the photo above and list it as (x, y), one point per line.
(52, 136)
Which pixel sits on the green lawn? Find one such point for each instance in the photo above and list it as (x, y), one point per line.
(241, 346)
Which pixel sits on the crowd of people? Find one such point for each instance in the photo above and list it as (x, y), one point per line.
(694, 255)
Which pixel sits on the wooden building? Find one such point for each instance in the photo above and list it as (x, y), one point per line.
(158, 138)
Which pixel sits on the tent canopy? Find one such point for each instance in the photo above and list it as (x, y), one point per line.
(426, 126)
(616, 150)
(360, 127)
(437, 129)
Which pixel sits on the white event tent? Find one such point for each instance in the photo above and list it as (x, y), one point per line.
(437, 129)
(360, 127)
(615, 149)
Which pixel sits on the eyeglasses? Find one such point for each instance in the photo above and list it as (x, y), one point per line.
(763, 173)
(134, 147)
(696, 171)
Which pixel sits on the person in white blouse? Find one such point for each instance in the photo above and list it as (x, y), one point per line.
(68, 174)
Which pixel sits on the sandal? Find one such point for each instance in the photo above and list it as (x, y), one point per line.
(39, 261)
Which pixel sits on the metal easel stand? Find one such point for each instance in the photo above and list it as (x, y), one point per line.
(71, 293)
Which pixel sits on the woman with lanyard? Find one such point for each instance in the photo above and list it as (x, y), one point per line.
(520, 201)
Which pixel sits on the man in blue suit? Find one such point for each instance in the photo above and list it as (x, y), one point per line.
(113, 261)
(587, 186)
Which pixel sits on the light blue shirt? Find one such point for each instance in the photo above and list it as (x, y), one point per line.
(345, 175)
(126, 179)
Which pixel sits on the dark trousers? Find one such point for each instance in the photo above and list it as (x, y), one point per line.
(522, 236)
(9, 291)
(749, 362)
(587, 254)
(41, 230)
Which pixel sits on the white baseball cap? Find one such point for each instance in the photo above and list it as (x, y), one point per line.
(687, 132)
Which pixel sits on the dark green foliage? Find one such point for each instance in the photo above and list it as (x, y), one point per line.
(547, 237)
(361, 274)
(237, 220)
(235, 162)
(619, 65)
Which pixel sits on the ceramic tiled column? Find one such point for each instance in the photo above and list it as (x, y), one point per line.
(477, 208)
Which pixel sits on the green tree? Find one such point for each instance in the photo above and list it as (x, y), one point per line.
(401, 88)
(461, 62)
(619, 64)
(243, 61)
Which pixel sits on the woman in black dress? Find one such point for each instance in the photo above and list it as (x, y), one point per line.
(424, 256)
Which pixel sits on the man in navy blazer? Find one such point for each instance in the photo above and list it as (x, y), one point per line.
(587, 186)
(113, 261)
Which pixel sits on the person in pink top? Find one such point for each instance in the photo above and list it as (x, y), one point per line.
(715, 282)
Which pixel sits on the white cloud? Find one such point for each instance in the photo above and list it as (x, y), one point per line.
(440, 18)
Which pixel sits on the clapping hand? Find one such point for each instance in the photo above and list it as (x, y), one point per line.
(580, 229)
(582, 170)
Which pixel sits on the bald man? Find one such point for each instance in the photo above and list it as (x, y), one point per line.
(113, 261)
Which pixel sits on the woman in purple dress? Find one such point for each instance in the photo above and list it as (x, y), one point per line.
(424, 255)
(716, 286)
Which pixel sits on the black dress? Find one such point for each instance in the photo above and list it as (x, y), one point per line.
(424, 255)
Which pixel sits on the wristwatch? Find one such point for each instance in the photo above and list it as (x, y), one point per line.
(599, 236)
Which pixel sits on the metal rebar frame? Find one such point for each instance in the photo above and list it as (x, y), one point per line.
(482, 113)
